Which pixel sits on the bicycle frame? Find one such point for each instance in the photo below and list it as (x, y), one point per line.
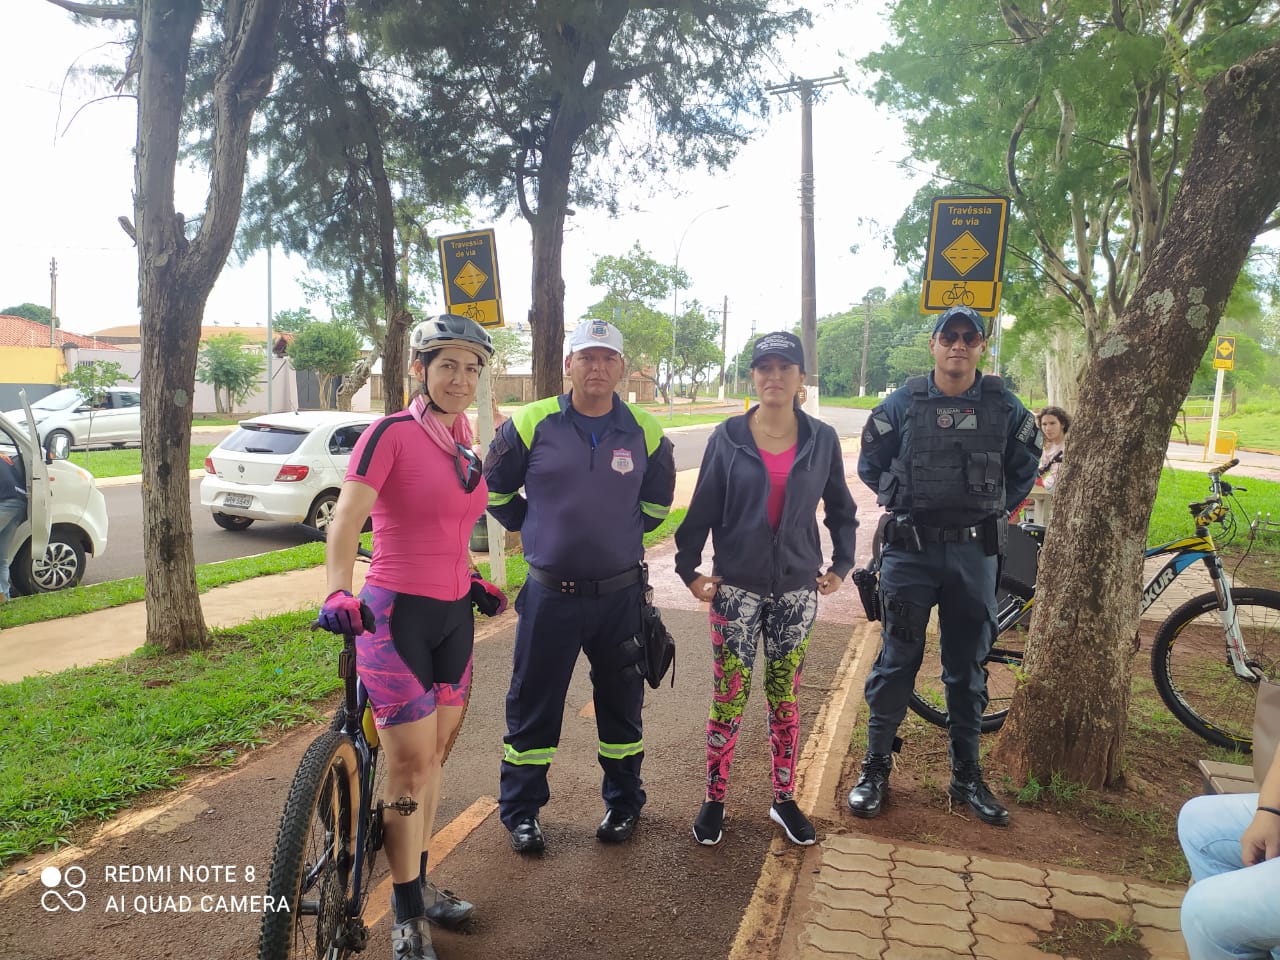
(356, 699)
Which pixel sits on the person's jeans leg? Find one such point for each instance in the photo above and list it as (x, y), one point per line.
(12, 514)
(1231, 912)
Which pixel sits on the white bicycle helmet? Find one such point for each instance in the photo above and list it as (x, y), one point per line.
(450, 330)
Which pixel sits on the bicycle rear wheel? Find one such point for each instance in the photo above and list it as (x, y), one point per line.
(1003, 664)
(1193, 673)
(311, 866)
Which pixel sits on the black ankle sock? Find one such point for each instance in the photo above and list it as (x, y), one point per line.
(407, 897)
(422, 869)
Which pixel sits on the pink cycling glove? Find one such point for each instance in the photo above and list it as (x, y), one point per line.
(343, 613)
(488, 599)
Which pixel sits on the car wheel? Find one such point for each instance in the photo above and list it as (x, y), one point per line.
(321, 514)
(229, 521)
(56, 439)
(62, 565)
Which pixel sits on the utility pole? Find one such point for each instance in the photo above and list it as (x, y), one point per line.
(866, 343)
(53, 301)
(270, 343)
(724, 341)
(808, 266)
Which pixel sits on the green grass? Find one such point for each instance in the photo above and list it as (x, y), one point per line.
(127, 463)
(857, 403)
(1170, 518)
(1256, 426)
(80, 744)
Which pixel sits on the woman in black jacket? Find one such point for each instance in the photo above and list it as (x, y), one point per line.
(762, 476)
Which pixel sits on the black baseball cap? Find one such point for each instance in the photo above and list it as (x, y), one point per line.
(967, 314)
(780, 344)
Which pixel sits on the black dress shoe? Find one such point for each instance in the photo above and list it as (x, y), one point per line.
(968, 787)
(444, 909)
(616, 826)
(526, 836)
(868, 796)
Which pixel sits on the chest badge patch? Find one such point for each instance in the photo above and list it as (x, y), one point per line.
(622, 462)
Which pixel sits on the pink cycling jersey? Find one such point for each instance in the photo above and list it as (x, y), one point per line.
(422, 519)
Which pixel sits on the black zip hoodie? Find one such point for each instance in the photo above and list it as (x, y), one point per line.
(729, 502)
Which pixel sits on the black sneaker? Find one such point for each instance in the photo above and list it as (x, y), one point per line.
(787, 815)
(708, 826)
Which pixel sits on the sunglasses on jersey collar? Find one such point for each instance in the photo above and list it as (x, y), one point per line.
(468, 466)
(971, 337)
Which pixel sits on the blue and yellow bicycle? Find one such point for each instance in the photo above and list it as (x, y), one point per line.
(1207, 656)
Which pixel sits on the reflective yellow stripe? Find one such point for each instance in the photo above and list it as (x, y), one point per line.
(534, 757)
(530, 415)
(617, 751)
(498, 499)
(655, 510)
(650, 425)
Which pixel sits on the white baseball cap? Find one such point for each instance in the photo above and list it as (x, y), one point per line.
(595, 333)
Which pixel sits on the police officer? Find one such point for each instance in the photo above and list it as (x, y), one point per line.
(597, 475)
(949, 455)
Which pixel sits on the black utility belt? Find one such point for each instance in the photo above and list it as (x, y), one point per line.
(951, 534)
(587, 588)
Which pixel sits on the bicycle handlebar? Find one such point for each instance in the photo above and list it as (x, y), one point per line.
(1222, 468)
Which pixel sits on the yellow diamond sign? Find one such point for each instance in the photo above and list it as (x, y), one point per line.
(964, 253)
(470, 279)
(1224, 353)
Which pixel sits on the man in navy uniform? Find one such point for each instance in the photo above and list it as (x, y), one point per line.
(597, 475)
(949, 456)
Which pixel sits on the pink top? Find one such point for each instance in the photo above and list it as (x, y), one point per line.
(777, 465)
(422, 519)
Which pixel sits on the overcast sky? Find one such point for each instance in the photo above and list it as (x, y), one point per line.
(66, 181)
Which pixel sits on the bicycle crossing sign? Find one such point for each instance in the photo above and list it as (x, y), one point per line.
(966, 254)
(469, 272)
(1224, 353)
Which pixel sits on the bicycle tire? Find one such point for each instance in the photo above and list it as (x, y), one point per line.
(373, 835)
(324, 794)
(1003, 665)
(1194, 676)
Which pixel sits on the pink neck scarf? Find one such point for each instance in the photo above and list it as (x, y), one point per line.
(442, 436)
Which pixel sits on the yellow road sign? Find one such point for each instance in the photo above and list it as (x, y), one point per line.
(966, 254)
(469, 268)
(1224, 354)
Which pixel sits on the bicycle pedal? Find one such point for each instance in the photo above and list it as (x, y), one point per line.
(405, 806)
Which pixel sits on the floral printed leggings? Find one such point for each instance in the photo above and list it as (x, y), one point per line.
(738, 619)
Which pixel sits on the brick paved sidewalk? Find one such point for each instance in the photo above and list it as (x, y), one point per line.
(867, 899)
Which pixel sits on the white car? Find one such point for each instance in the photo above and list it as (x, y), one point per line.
(281, 466)
(65, 419)
(67, 517)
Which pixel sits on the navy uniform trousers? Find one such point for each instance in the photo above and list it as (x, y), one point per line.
(960, 579)
(552, 629)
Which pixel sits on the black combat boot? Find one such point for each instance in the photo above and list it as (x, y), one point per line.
(968, 787)
(867, 797)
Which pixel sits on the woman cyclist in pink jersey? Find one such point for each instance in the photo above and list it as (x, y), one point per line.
(416, 472)
(762, 476)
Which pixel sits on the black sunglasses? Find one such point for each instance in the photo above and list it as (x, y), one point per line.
(468, 466)
(971, 337)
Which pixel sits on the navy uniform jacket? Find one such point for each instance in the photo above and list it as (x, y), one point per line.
(588, 499)
(888, 434)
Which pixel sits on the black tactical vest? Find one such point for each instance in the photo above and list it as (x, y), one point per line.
(953, 472)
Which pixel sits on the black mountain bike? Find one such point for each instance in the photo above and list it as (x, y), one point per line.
(1208, 654)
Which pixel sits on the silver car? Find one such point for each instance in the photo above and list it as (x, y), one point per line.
(65, 419)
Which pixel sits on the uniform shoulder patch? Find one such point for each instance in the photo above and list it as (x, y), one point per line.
(1028, 433)
(878, 427)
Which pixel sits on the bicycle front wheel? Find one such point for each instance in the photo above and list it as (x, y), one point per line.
(1003, 665)
(308, 911)
(1192, 669)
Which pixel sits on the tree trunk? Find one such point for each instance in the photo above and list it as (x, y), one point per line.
(1069, 717)
(175, 275)
(1062, 368)
(546, 315)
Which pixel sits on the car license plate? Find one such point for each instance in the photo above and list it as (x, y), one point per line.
(237, 500)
